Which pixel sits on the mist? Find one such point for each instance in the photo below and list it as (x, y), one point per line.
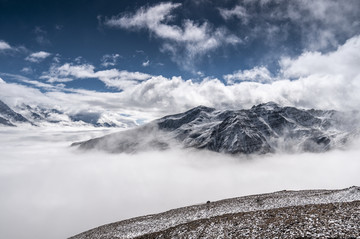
(51, 190)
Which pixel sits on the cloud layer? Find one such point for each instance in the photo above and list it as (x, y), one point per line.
(51, 191)
(312, 80)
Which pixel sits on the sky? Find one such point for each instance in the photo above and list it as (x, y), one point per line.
(147, 59)
(161, 57)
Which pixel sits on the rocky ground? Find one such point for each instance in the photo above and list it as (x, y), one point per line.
(332, 220)
(284, 214)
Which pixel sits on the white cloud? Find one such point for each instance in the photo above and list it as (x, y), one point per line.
(112, 77)
(150, 18)
(342, 62)
(322, 22)
(186, 42)
(42, 177)
(326, 81)
(27, 70)
(236, 12)
(38, 56)
(69, 70)
(109, 60)
(4, 46)
(312, 80)
(16, 93)
(257, 74)
(200, 74)
(146, 63)
(121, 79)
(317, 25)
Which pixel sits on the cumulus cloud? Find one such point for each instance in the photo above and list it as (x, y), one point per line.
(27, 70)
(312, 80)
(236, 12)
(320, 30)
(14, 94)
(257, 74)
(112, 77)
(319, 25)
(4, 46)
(38, 56)
(150, 18)
(109, 60)
(146, 63)
(185, 42)
(342, 62)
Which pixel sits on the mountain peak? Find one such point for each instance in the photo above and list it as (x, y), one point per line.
(268, 106)
(201, 108)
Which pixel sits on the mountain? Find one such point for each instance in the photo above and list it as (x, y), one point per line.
(284, 214)
(9, 117)
(56, 117)
(262, 129)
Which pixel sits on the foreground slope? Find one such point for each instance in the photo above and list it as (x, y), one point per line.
(286, 214)
(262, 129)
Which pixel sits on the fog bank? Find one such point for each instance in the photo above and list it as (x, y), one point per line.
(49, 190)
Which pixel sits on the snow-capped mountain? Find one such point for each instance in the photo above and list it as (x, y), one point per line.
(9, 117)
(56, 117)
(262, 129)
(284, 214)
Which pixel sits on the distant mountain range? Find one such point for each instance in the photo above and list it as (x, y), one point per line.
(284, 214)
(43, 116)
(262, 129)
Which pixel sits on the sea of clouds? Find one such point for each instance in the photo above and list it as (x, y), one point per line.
(50, 190)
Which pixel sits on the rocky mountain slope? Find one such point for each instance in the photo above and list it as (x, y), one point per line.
(284, 214)
(262, 129)
(55, 117)
(9, 117)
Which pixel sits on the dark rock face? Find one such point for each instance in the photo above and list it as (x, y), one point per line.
(262, 129)
(5, 122)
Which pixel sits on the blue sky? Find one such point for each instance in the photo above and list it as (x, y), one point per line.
(173, 55)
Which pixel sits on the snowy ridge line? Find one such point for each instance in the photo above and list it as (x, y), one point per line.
(139, 226)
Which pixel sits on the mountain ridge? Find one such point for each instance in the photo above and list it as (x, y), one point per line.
(9, 117)
(54, 117)
(264, 128)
